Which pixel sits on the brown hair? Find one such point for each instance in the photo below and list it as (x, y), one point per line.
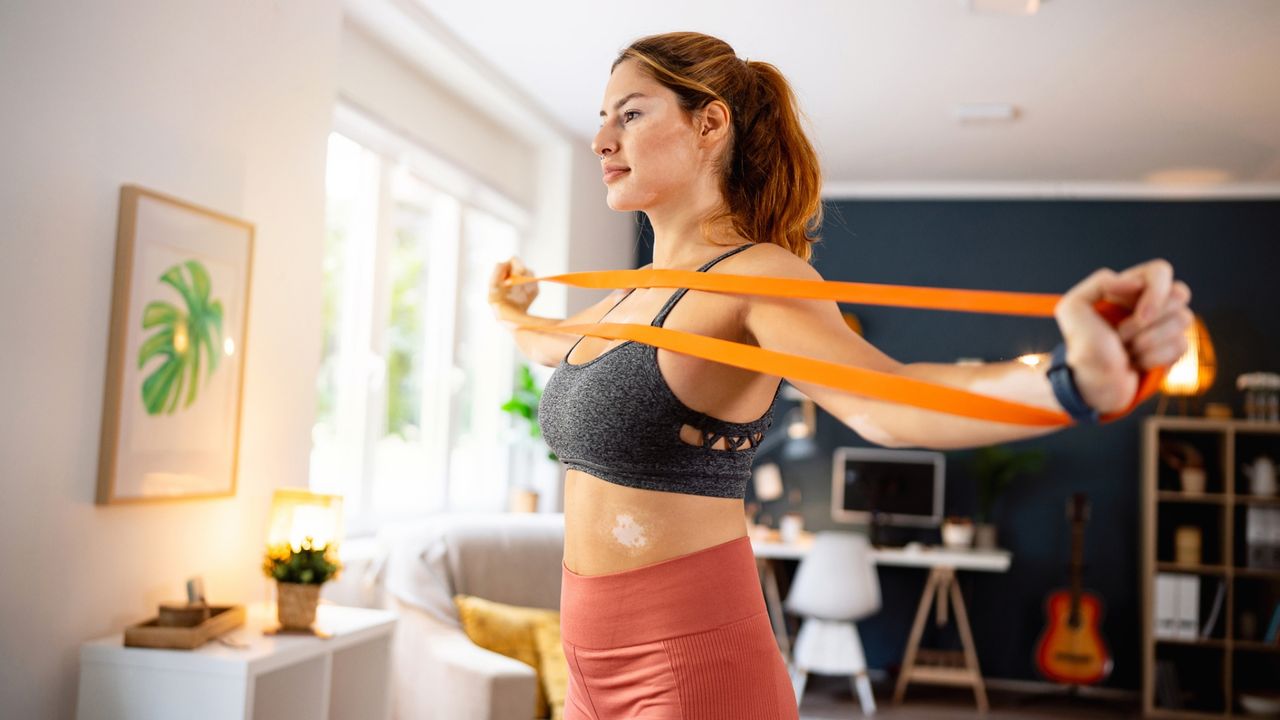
(769, 174)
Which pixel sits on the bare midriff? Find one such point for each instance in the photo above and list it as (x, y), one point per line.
(610, 527)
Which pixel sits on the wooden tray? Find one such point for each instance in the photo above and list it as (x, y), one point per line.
(152, 635)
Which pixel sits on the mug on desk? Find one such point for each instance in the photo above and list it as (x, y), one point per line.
(790, 526)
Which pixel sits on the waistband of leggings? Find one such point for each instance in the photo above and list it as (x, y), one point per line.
(687, 594)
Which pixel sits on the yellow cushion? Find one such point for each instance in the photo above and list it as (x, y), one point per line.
(555, 669)
(507, 630)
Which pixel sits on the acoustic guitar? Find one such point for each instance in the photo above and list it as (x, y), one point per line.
(1071, 649)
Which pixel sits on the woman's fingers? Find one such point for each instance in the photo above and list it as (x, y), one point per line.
(1179, 296)
(1156, 277)
(519, 295)
(1164, 341)
(498, 291)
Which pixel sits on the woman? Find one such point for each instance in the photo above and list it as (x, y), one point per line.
(661, 610)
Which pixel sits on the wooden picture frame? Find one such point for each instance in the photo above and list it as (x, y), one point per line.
(175, 362)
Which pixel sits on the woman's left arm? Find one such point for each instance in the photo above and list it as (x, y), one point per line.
(1104, 360)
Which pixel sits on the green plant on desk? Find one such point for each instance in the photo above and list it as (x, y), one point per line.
(995, 468)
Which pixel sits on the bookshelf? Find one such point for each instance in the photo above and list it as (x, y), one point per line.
(1211, 671)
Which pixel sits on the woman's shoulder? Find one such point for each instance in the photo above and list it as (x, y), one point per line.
(771, 260)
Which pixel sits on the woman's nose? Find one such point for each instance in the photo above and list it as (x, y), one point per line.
(603, 143)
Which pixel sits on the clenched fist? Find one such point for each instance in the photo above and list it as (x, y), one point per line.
(1106, 360)
(517, 297)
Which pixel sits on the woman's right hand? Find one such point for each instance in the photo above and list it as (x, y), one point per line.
(517, 297)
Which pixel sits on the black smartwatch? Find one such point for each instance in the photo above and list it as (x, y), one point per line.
(1064, 387)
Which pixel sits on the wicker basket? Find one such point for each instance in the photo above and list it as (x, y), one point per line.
(296, 604)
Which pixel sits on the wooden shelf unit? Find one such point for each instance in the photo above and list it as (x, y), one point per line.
(1217, 511)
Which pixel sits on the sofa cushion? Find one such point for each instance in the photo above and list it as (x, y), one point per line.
(508, 630)
(553, 667)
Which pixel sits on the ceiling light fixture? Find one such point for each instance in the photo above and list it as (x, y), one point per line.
(985, 112)
(1002, 7)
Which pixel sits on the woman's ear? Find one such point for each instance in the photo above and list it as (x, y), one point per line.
(713, 123)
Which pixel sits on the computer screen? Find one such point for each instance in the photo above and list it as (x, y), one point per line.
(905, 485)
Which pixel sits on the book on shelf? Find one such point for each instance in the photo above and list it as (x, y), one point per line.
(1215, 611)
(1177, 606)
(1273, 627)
(1168, 693)
(1262, 538)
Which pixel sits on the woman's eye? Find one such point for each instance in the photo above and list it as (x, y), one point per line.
(629, 113)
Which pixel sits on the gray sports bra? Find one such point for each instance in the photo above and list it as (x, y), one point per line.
(616, 418)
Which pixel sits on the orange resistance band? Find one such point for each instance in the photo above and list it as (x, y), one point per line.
(860, 381)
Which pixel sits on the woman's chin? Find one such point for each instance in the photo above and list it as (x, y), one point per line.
(620, 203)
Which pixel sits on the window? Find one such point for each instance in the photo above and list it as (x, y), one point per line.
(413, 368)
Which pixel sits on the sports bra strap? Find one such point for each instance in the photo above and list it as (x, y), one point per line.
(675, 297)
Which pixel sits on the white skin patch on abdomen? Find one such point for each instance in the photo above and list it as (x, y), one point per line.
(628, 533)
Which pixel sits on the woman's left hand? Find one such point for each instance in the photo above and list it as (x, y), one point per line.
(1106, 360)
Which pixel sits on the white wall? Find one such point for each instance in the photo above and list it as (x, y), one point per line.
(225, 104)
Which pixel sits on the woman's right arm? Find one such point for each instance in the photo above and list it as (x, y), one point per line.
(510, 306)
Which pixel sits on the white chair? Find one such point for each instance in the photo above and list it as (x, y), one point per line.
(835, 585)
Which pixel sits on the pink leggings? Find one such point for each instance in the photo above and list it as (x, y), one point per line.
(682, 639)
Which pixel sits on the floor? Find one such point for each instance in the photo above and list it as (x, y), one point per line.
(826, 699)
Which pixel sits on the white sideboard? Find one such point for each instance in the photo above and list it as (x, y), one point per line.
(268, 677)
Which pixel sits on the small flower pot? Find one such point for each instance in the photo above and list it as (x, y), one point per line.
(524, 500)
(1193, 480)
(984, 537)
(296, 604)
(957, 532)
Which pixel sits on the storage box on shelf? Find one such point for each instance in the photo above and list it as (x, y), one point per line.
(1209, 586)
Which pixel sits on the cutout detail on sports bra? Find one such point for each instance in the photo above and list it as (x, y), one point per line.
(708, 439)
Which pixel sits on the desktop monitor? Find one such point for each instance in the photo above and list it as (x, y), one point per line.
(905, 486)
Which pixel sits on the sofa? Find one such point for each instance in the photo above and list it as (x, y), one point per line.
(438, 673)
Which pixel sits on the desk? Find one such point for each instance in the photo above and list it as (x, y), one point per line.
(920, 666)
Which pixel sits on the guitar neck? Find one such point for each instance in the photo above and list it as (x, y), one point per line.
(1077, 566)
(1078, 511)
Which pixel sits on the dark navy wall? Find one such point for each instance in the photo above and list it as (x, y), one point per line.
(1229, 253)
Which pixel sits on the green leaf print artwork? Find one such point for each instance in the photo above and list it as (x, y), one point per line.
(181, 337)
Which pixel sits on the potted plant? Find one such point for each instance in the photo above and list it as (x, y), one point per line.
(1188, 462)
(299, 571)
(995, 468)
(524, 405)
(957, 532)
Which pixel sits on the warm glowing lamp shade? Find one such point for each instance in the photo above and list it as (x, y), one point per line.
(300, 514)
(1193, 373)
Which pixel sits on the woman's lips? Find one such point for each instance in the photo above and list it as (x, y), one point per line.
(614, 174)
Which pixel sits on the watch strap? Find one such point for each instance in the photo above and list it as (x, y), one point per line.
(1063, 382)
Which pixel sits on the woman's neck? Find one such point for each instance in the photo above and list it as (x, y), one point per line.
(679, 242)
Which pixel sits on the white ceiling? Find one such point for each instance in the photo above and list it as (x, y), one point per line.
(1124, 97)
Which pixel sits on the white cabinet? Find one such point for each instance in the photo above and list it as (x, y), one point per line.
(274, 677)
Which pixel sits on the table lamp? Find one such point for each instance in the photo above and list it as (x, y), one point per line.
(302, 539)
(300, 514)
(1193, 373)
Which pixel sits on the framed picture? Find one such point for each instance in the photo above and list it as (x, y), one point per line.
(175, 364)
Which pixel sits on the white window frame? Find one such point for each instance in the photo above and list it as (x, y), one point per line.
(394, 147)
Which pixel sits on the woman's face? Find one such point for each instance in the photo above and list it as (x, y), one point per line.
(644, 130)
